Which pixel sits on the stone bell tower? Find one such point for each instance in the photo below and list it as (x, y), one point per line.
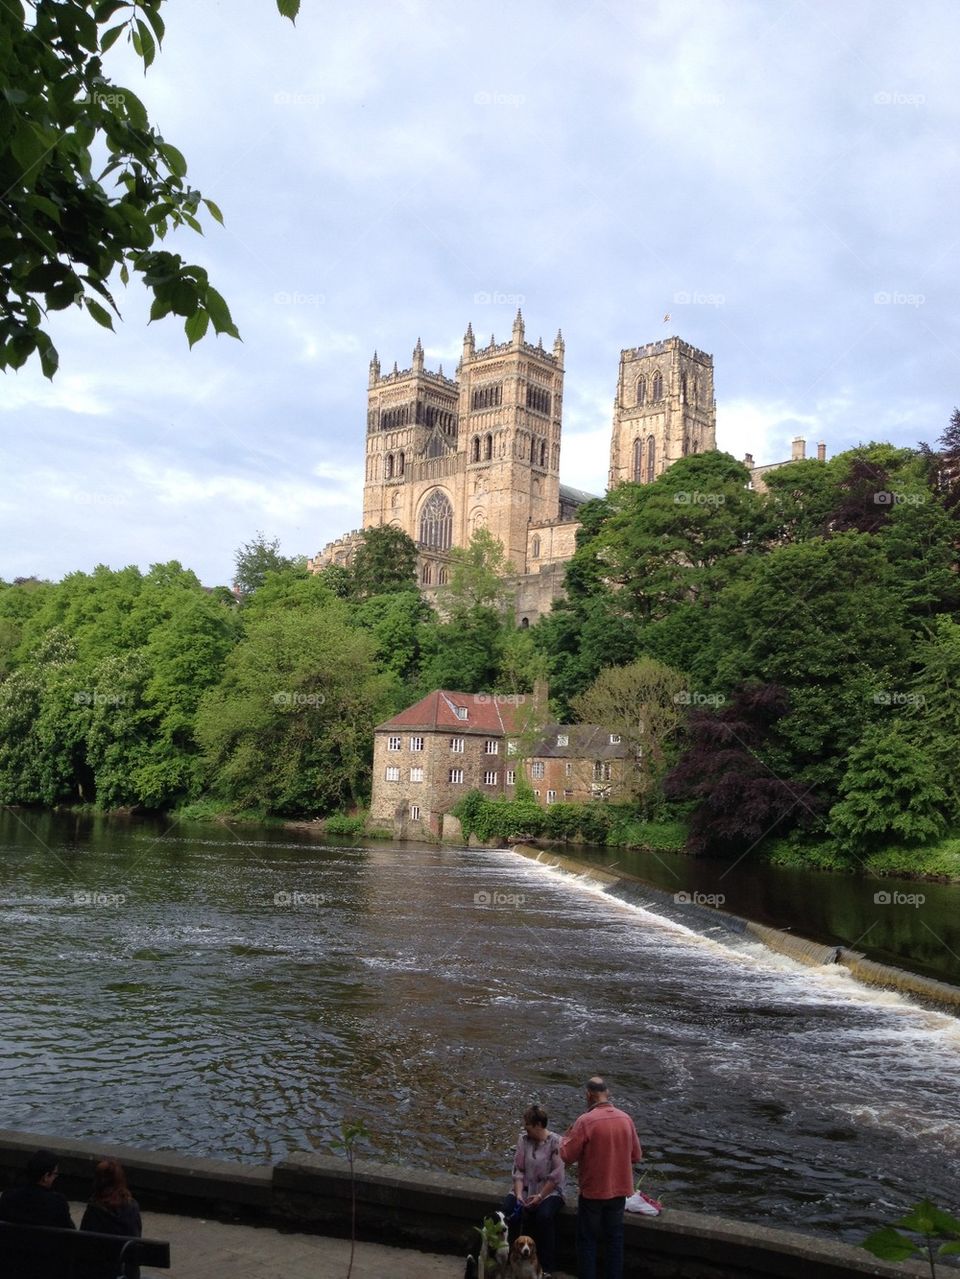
(664, 410)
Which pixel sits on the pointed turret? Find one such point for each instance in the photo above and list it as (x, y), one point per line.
(518, 328)
(493, 341)
(469, 345)
(558, 345)
(374, 370)
(395, 369)
(418, 357)
(440, 370)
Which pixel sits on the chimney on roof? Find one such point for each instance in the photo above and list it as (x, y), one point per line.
(798, 449)
(821, 452)
(748, 460)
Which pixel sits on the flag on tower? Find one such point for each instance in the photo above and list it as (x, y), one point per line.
(666, 318)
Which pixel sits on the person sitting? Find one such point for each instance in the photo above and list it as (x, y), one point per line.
(35, 1203)
(538, 1184)
(112, 1210)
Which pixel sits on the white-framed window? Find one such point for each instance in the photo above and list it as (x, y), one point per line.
(416, 743)
(512, 747)
(393, 743)
(536, 769)
(602, 771)
(416, 774)
(491, 746)
(614, 739)
(392, 773)
(414, 812)
(551, 796)
(567, 794)
(489, 778)
(461, 712)
(511, 777)
(568, 769)
(563, 739)
(456, 775)
(536, 794)
(456, 744)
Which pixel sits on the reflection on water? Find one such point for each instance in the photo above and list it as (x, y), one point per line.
(249, 990)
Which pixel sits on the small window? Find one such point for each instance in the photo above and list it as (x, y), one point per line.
(487, 447)
(442, 577)
(535, 548)
(393, 773)
(536, 769)
(456, 744)
(511, 777)
(393, 743)
(551, 796)
(641, 390)
(399, 463)
(568, 769)
(491, 747)
(456, 776)
(416, 774)
(416, 743)
(489, 779)
(426, 575)
(414, 812)
(536, 794)
(614, 739)
(461, 712)
(657, 387)
(475, 449)
(563, 739)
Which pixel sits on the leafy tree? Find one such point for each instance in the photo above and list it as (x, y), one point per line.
(63, 232)
(253, 561)
(890, 792)
(931, 709)
(401, 624)
(464, 653)
(384, 562)
(477, 573)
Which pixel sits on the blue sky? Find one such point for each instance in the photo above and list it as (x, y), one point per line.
(781, 178)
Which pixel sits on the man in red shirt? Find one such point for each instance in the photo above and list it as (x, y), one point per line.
(604, 1142)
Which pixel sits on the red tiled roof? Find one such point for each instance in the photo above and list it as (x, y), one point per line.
(486, 713)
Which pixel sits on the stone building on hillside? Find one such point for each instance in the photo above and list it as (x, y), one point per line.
(430, 755)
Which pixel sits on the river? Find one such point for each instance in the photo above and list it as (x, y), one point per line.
(236, 992)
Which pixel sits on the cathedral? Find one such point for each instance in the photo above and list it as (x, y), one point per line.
(446, 456)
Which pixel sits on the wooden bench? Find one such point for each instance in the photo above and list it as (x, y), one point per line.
(27, 1251)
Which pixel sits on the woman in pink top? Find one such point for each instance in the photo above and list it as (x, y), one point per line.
(538, 1183)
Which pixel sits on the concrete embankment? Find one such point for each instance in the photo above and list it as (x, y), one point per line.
(432, 1212)
(927, 989)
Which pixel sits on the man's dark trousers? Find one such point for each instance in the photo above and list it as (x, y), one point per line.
(600, 1219)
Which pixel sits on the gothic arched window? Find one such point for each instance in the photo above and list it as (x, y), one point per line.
(388, 467)
(442, 577)
(657, 387)
(475, 449)
(426, 576)
(641, 389)
(543, 453)
(399, 463)
(535, 548)
(651, 459)
(533, 451)
(487, 447)
(637, 461)
(436, 521)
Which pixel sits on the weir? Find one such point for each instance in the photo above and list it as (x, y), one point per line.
(802, 949)
(432, 1212)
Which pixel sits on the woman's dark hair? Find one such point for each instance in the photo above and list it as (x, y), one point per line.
(535, 1115)
(110, 1184)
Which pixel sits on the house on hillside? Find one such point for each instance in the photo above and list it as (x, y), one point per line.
(428, 757)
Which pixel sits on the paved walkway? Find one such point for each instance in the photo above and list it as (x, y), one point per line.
(211, 1250)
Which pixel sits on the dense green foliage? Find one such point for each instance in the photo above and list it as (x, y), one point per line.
(64, 228)
(783, 667)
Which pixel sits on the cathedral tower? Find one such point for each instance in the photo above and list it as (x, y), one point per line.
(664, 410)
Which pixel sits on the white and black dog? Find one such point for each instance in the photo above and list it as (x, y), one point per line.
(493, 1258)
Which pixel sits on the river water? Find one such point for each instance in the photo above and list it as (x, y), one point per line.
(237, 993)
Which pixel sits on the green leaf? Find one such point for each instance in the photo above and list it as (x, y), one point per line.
(214, 210)
(45, 206)
(148, 46)
(289, 9)
(124, 273)
(99, 313)
(110, 38)
(28, 147)
(49, 359)
(196, 325)
(948, 1249)
(890, 1245)
(174, 158)
(107, 8)
(160, 307)
(153, 17)
(926, 1219)
(220, 313)
(183, 298)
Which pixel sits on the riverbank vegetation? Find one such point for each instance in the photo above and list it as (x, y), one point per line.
(783, 663)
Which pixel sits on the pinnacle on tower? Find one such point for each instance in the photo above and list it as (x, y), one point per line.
(493, 341)
(418, 355)
(441, 370)
(469, 346)
(518, 327)
(558, 344)
(395, 369)
(374, 368)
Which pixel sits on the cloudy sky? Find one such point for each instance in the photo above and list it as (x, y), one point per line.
(781, 177)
